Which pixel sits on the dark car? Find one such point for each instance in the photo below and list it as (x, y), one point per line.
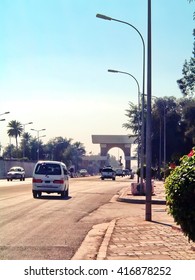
(108, 173)
(16, 172)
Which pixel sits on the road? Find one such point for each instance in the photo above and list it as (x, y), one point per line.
(52, 227)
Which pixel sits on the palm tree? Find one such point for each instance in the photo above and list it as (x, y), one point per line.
(15, 130)
(26, 137)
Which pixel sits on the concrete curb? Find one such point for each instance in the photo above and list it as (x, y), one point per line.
(140, 201)
(124, 197)
(101, 255)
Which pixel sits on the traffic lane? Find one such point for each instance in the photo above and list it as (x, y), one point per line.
(5, 183)
(50, 227)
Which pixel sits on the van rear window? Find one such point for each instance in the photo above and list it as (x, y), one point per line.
(48, 169)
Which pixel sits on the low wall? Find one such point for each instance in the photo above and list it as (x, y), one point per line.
(5, 165)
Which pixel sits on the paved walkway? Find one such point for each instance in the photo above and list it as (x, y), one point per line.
(133, 238)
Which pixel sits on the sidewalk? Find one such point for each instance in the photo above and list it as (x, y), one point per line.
(133, 238)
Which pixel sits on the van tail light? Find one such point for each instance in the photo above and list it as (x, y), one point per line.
(37, 180)
(58, 181)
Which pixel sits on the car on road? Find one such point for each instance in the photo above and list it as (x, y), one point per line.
(128, 172)
(50, 177)
(83, 172)
(108, 173)
(119, 172)
(16, 172)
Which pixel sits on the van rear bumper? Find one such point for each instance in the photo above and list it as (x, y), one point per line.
(52, 188)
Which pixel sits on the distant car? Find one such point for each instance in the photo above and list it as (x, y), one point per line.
(131, 174)
(16, 172)
(128, 172)
(119, 172)
(108, 173)
(83, 172)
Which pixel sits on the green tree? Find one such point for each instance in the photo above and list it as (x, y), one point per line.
(134, 117)
(55, 148)
(9, 151)
(175, 118)
(73, 154)
(190, 2)
(188, 111)
(36, 149)
(25, 144)
(187, 82)
(15, 130)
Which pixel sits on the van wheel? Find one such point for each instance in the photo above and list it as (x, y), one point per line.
(39, 194)
(35, 193)
(64, 193)
(67, 192)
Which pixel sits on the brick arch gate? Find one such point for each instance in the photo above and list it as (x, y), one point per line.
(108, 142)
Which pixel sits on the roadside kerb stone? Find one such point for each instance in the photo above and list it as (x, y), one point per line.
(104, 246)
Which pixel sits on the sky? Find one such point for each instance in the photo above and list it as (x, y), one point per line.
(54, 57)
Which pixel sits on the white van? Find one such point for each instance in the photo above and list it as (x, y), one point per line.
(50, 177)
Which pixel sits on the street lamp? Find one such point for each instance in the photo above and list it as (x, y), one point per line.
(148, 213)
(38, 130)
(148, 119)
(24, 124)
(4, 113)
(122, 72)
(143, 91)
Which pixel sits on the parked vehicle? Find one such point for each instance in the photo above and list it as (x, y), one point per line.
(83, 172)
(108, 173)
(50, 177)
(119, 172)
(16, 172)
(128, 172)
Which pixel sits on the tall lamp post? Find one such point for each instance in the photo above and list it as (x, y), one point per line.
(143, 91)
(38, 130)
(138, 87)
(24, 125)
(148, 212)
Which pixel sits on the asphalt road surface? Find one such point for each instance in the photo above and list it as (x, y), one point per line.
(52, 227)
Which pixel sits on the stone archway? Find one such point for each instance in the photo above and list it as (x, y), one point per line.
(107, 142)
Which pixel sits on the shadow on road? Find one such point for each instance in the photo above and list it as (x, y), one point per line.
(54, 197)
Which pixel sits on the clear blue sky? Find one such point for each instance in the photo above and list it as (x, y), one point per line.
(54, 56)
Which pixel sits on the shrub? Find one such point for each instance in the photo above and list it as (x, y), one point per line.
(180, 194)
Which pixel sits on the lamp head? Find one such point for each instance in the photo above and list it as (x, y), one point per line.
(103, 17)
(112, 71)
